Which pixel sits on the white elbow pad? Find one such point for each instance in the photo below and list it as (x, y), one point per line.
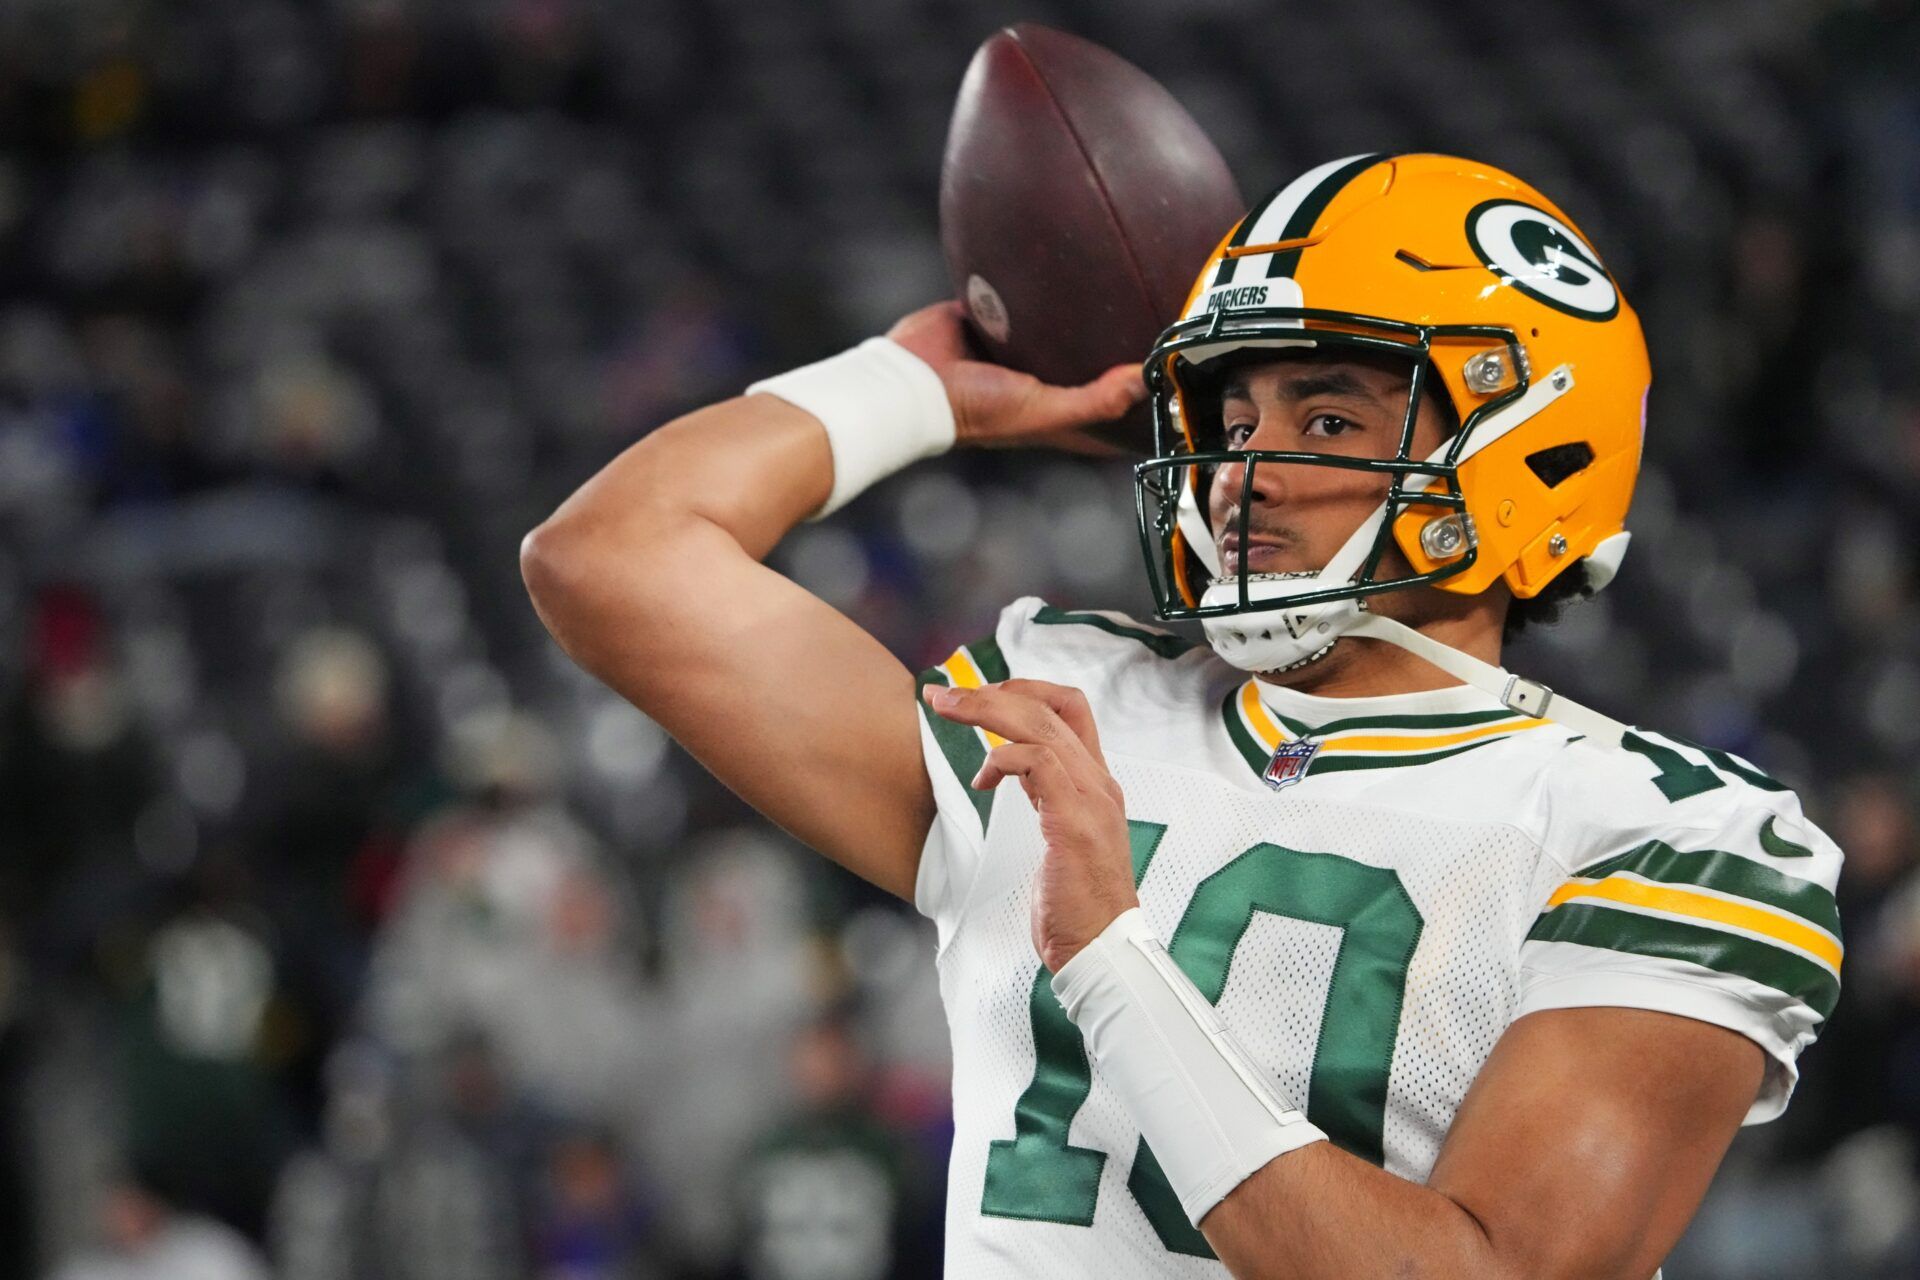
(1201, 1104)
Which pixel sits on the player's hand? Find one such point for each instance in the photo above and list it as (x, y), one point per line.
(995, 405)
(1086, 878)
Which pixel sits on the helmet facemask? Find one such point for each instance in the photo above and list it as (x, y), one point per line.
(1268, 621)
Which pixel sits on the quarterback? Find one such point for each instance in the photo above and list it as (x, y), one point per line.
(1326, 947)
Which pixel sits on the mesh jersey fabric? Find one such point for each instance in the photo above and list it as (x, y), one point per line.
(1368, 931)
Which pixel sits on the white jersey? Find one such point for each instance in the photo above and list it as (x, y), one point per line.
(1371, 890)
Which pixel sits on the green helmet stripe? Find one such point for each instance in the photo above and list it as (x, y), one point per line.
(1276, 217)
(1301, 223)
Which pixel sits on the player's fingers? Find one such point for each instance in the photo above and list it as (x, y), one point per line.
(1038, 768)
(1070, 704)
(1102, 400)
(1015, 716)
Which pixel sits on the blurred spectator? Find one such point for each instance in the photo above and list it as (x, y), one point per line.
(415, 1179)
(830, 1193)
(594, 1226)
(1867, 1073)
(506, 922)
(146, 1239)
(205, 1118)
(741, 971)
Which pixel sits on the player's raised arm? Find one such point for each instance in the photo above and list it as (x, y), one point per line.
(649, 576)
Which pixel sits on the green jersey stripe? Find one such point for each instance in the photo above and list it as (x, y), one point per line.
(1728, 873)
(1256, 754)
(1298, 728)
(960, 744)
(1787, 972)
(1451, 720)
(1163, 645)
(986, 655)
(1336, 762)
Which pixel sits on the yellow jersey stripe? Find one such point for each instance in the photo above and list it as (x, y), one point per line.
(1699, 906)
(1263, 726)
(1257, 718)
(1396, 742)
(964, 674)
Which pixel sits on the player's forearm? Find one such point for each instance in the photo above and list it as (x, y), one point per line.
(638, 540)
(649, 577)
(1272, 1194)
(1320, 1212)
(755, 466)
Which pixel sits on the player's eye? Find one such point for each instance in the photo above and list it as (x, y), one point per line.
(1326, 425)
(1238, 433)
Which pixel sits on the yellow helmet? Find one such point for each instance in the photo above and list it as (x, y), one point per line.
(1482, 282)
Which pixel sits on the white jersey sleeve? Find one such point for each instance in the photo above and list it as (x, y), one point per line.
(1684, 880)
(1109, 657)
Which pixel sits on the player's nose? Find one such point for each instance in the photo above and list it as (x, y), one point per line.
(1266, 486)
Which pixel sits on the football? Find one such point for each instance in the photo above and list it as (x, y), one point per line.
(1077, 201)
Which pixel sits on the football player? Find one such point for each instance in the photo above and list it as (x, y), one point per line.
(1327, 947)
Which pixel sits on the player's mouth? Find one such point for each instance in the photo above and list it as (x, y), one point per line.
(1264, 553)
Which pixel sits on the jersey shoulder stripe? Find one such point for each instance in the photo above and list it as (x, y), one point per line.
(1163, 644)
(1718, 949)
(1707, 907)
(1720, 871)
(964, 747)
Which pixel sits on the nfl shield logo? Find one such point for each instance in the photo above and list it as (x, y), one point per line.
(1290, 762)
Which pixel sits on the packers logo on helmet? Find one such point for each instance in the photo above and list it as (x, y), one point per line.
(1542, 257)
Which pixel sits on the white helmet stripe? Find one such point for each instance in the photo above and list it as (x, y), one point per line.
(1276, 219)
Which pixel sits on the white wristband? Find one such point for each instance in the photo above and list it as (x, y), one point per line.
(883, 407)
(1201, 1104)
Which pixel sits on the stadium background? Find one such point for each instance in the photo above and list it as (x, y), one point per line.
(336, 906)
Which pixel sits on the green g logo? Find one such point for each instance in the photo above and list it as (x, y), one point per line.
(1542, 257)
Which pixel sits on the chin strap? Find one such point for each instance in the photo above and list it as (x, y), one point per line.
(1529, 697)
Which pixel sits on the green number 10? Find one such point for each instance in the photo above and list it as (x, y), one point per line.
(1039, 1175)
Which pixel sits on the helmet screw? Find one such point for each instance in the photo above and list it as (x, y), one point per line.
(1485, 372)
(1447, 536)
(1557, 545)
(1559, 379)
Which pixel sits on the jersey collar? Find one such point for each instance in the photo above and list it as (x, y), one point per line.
(1366, 733)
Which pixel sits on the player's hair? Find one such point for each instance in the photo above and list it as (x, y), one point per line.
(1544, 609)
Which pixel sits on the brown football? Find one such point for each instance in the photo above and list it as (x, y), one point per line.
(1078, 200)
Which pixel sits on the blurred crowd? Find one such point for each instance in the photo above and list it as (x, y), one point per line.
(348, 932)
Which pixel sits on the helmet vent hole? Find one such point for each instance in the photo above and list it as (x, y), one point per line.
(1561, 462)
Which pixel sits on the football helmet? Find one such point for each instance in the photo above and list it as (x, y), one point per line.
(1500, 306)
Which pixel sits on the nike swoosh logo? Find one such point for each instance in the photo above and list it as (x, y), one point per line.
(1778, 845)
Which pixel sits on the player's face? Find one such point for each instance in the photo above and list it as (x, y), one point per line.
(1300, 515)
